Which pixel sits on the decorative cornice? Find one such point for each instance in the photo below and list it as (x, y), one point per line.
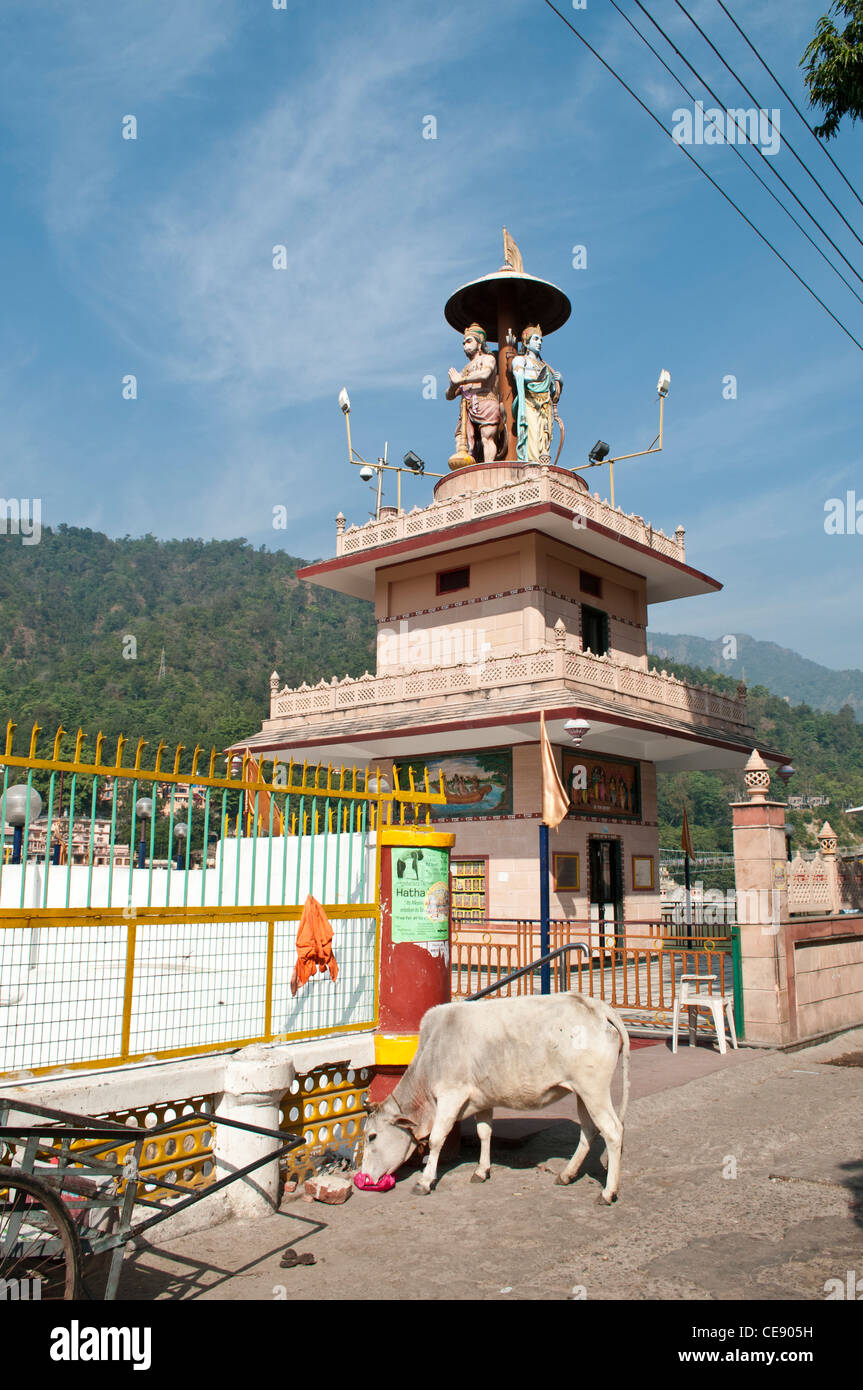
(505, 593)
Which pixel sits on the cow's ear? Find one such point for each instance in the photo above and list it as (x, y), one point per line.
(404, 1123)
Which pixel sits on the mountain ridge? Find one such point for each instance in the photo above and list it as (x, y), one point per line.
(783, 671)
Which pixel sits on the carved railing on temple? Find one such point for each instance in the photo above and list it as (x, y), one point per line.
(554, 487)
(619, 683)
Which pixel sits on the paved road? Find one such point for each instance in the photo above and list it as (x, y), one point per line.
(742, 1178)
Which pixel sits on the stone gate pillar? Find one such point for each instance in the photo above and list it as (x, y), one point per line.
(761, 872)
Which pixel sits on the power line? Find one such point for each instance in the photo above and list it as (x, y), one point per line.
(759, 152)
(803, 165)
(754, 172)
(791, 100)
(700, 167)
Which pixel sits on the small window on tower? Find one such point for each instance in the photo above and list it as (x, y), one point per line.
(448, 581)
(590, 583)
(594, 630)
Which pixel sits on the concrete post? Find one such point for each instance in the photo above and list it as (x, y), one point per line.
(761, 873)
(827, 844)
(256, 1078)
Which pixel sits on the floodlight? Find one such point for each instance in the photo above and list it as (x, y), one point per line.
(345, 401)
(367, 473)
(599, 451)
(413, 462)
(664, 382)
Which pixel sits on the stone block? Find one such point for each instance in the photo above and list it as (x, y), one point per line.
(330, 1189)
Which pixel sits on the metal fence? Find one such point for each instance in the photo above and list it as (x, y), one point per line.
(635, 967)
(122, 938)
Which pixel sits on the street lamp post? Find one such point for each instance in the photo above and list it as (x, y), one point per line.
(144, 810)
(23, 806)
(180, 833)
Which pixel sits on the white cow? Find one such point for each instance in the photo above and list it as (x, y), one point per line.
(521, 1053)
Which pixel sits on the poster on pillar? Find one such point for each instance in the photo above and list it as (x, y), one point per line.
(420, 894)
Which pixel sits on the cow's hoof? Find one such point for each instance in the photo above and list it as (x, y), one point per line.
(421, 1189)
(604, 1201)
(480, 1177)
(561, 1181)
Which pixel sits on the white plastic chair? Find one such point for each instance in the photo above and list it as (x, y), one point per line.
(689, 996)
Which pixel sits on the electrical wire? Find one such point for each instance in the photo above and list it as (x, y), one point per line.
(754, 172)
(791, 102)
(803, 165)
(700, 167)
(758, 151)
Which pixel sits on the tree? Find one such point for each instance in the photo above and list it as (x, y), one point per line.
(833, 64)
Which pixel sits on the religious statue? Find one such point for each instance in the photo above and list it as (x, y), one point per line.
(537, 391)
(479, 421)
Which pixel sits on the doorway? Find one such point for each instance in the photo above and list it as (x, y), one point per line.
(606, 890)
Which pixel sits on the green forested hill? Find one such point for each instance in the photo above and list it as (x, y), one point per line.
(224, 613)
(826, 751)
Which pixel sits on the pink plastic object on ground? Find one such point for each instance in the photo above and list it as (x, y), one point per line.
(365, 1184)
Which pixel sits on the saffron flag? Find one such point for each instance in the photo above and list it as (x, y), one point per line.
(555, 802)
(686, 838)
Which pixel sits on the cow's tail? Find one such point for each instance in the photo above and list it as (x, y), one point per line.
(617, 1022)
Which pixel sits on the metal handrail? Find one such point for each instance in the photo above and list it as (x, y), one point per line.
(526, 969)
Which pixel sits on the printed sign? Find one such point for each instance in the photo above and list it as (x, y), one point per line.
(420, 889)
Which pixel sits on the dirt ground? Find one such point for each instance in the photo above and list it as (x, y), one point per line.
(742, 1179)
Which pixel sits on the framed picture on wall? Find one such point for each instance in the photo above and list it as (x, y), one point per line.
(599, 786)
(477, 783)
(566, 874)
(642, 873)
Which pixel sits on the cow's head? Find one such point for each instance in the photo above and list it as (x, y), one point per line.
(389, 1140)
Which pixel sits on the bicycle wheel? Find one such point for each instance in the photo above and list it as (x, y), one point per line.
(37, 1240)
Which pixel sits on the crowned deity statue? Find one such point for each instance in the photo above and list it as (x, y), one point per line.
(537, 391)
(479, 422)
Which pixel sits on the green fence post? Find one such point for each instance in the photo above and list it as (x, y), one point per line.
(737, 977)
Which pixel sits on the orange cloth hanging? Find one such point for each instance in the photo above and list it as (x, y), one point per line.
(314, 945)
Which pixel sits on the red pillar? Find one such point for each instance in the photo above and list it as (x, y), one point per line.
(414, 965)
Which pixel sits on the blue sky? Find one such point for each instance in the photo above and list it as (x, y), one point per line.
(303, 127)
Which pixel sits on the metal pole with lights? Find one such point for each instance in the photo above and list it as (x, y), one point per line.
(411, 463)
(599, 452)
(144, 811)
(180, 833)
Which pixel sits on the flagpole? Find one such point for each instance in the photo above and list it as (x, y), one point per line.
(688, 900)
(544, 932)
(555, 805)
